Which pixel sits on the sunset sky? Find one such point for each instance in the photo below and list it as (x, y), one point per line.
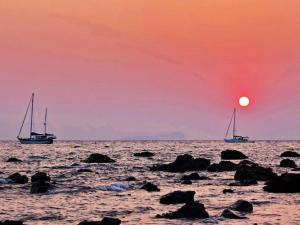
(115, 69)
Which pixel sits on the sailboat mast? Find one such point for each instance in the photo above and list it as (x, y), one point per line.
(234, 122)
(45, 123)
(31, 118)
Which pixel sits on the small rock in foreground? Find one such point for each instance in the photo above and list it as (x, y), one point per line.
(242, 206)
(288, 163)
(290, 154)
(230, 215)
(178, 197)
(150, 187)
(18, 178)
(232, 155)
(286, 183)
(104, 221)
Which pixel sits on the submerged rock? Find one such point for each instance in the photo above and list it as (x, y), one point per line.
(242, 206)
(14, 160)
(194, 176)
(191, 210)
(130, 179)
(290, 154)
(18, 178)
(248, 182)
(228, 191)
(84, 171)
(104, 221)
(150, 187)
(187, 182)
(288, 163)
(254, 172)
(98, 158)
(286, 183)
(11, 222)
(222, 166)
(40, 183)
(144, 154)
(183, 163)
(232, 155)
(230, 215)
(178, 197)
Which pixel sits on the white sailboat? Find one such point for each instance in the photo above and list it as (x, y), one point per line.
(235, 138)
(35, 138)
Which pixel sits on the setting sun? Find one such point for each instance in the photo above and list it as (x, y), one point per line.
(244, 101)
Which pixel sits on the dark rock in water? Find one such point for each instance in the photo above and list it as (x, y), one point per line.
(18, 178)
(183, 163)
(194, 176)
(187, 182)
(288, 163)
(130, 179)
(243, 183)
(232, 155)
(12, 222)
(191, 210)
(77, 146)
(296, 169)
(246, 162)
(99, 158)
(286, 183)
(254, 172)
(230, 215)
(228, 191)
(40, 183)
(144, 154)
(242, 206)
(178, 197)
(222, 166)
(290, 154)
(105, 221)
(14, 160)
(150, 187)
(84, 171)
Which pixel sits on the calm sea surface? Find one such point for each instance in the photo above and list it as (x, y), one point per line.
(91, 196)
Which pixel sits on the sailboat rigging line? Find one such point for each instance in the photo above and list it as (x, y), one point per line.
(24, 117)
(229, 125)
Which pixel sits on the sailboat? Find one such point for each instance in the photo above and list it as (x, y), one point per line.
(35, 138)
(235, 138)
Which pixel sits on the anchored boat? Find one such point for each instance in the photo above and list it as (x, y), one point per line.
(235, 138)
(34, 137)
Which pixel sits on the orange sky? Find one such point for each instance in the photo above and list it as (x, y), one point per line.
(152, 67)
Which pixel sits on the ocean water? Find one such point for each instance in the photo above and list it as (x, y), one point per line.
(91, 196)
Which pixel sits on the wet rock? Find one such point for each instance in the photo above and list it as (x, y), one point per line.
(230, 215)
(98, 158)
(12, 222)
(14, 160)
(232, 155)
(194, 176)
(288, 163)
(40, 183)
(187, 182)
(254, 172)
(84, 171)
(130, 179)
(144, 154)
(178, 197)
(286, 183)
(183, 163)
(246, 162)
(222, 166)
(18, 178)
(296, 169)
(242, 206)
(150, 187)
(228, 191)
(191, 210)
(248, 182)
(105, 221)
(290, 154)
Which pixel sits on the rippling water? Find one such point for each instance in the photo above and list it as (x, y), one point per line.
(81, 196)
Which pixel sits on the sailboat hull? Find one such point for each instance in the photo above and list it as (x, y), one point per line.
(237, 141)
(29, 141)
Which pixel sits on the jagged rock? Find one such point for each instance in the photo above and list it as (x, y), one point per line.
(288, 163)
(183, 163)
(40, 183)
(222, 166)
(18, 178)
(254, 172)
(14, 160)
(230, 215)
(290, 154)
(178, 197)
(232, 155)
(105, 221)
(286, 183)
(191, 210)
(84, 171)
(11, 222)
(130, 179)
(99, 158)
(187, 182)
(242, 206)
(144, 154)
(243, 183)
(194, 176)
(228, 191)
(150, 187)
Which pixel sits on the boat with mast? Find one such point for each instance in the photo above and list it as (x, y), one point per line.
(235, 138)
(34, 137)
